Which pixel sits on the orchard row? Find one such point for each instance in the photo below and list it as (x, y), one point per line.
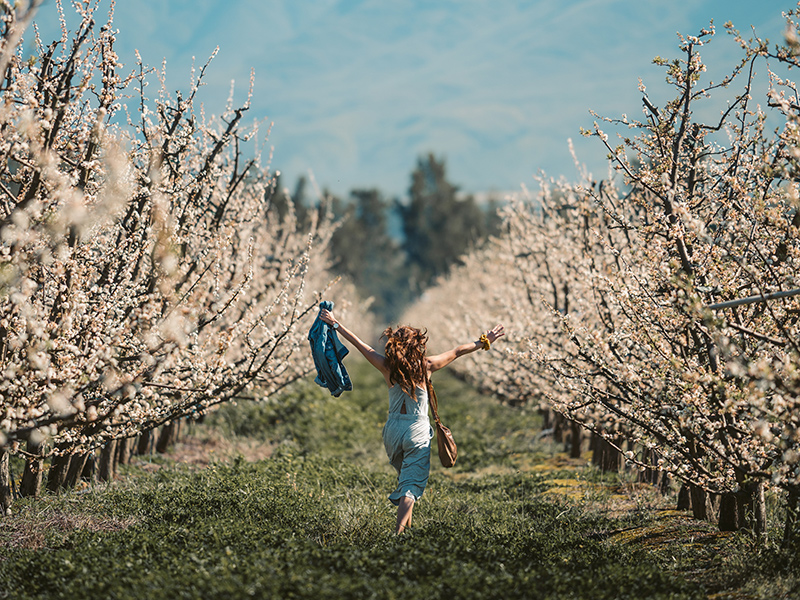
(145, 274)
(657, 308)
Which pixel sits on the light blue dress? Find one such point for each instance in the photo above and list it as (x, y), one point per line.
(407, 439)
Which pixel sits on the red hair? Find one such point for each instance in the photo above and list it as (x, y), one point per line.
(405, 357)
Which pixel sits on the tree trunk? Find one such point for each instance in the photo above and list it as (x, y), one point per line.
(611, 457)
(546, 418)
(6, 497)
(658, 479)
(790, 525)
(651, 476)
(715, 501)
(684, 498)
(123, 451)
(665, 483)
(597, 452)
(752, 507)
(729, 512)
(75, 470)
(647, 475)
(107, 456)
(166, 438)
(703, 504)
(757, 501)
(744, 510)
(558, 428)
(145, 443)
(89, 472)
(576, 438)
(31, 484)
(57, 475)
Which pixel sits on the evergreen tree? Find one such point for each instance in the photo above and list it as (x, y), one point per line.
(437, 225)
(364, 251)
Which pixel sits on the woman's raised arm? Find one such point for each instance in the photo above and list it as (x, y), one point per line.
(434, 363)
(376, 359)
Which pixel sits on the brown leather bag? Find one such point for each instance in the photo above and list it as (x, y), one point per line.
(444, 439)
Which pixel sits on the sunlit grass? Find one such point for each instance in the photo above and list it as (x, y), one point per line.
(514, 518)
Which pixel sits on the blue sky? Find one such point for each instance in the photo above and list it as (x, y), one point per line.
(358, 89)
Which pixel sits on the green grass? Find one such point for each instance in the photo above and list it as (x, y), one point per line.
(313, 520)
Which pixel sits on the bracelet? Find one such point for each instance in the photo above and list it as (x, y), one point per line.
(485, 341)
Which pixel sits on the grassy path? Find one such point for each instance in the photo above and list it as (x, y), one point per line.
(313, 521)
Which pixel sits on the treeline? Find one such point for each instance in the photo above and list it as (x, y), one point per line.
(393, 249)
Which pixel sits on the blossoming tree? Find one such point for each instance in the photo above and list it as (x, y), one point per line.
(144, 275)
(638, 272)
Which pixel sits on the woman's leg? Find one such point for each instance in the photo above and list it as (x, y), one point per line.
(404, 510)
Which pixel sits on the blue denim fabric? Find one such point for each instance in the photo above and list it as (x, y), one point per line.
(328, 352)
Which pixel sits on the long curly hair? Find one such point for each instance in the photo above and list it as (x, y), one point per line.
(405, 357)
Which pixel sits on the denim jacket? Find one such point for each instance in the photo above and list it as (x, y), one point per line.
(328, 352)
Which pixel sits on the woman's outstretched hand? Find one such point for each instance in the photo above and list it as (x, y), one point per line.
(497, 332)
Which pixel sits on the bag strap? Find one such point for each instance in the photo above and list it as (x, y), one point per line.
(433, 401)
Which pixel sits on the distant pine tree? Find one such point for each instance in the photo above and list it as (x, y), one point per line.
(439, 227)
(364, 251)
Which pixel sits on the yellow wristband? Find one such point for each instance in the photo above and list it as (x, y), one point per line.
(485, 341)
